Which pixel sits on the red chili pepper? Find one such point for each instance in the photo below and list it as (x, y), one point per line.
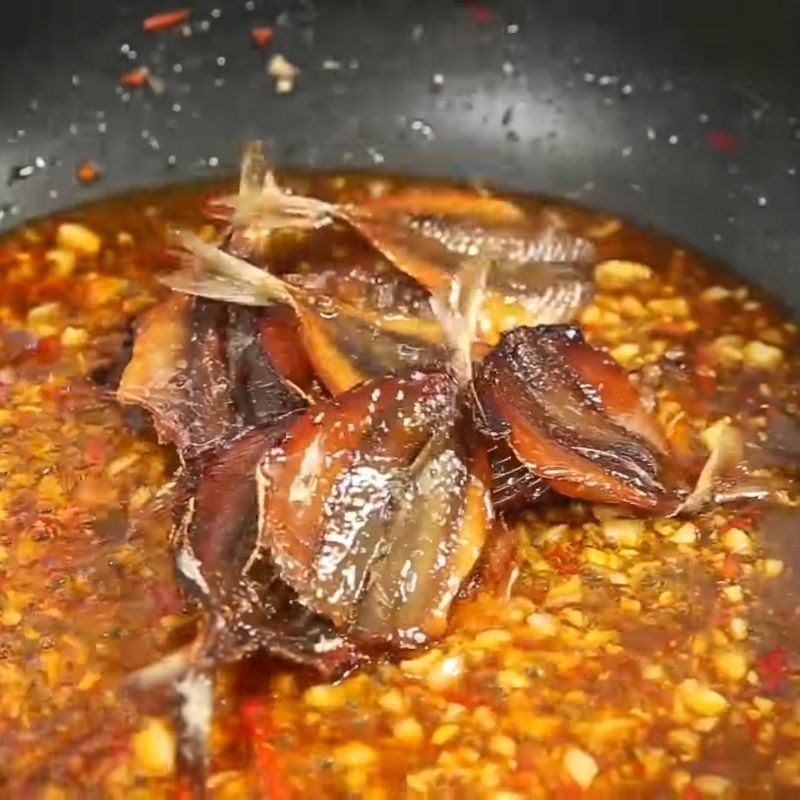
(705, 354)
(166, 19)
(566, 569)
(772, 669)
(256, 717)
(691, 792)
(753, 726)
(737, 522)
(480, 14)
(262, 36)
(671, 328)
(87, 172)
(730, 568)
(48, 348)
(722, 141)
(95, 451)
(706, 383)
(563, 560)
(134, 79)
(470, 697)
(183, 791)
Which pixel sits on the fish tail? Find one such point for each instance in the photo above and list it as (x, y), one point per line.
(726, 478)
(213, 273)
(254, 168)
(262, 206)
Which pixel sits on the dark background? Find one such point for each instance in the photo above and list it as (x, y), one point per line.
(681, 115)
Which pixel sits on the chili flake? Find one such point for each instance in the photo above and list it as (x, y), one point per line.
(262, 36)
(135, 78)
(87, 172)
(166, 19)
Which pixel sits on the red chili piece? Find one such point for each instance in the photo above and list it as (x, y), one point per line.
(737, 522)
(262, 36)
(135, 78)
(772, 669)
(722, 141)
(730, 568)
(166, 19)
(95, 451)
(87, 172)
(479, 13)
(753, 727)
(49, 348)
(256, 717)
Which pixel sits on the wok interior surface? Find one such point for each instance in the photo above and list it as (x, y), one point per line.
(679, 115)
(675, 116)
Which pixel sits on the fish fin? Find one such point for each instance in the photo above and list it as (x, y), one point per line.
(725, 458)
(263, 206)
(559, 254)
(160, 509)
(725, 478)
(456, 306)
(447, 201)
(165, 671)
(195, 691)
(192, 676)
(254, 168)
(530, 392)
(210, 272)
(543, 282)
(552, 285)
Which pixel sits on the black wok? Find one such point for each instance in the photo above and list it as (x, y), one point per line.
(678, 114)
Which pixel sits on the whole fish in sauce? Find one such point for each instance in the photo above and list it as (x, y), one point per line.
(571, 416)
(568, 418)
(247, 607)
(345, 345)
(340, 528)
(377, 505)
(200, 369)
(543, 274)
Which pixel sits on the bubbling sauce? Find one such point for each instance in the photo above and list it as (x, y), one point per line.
(635, 657)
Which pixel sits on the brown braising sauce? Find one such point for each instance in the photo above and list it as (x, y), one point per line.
(635, 657)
